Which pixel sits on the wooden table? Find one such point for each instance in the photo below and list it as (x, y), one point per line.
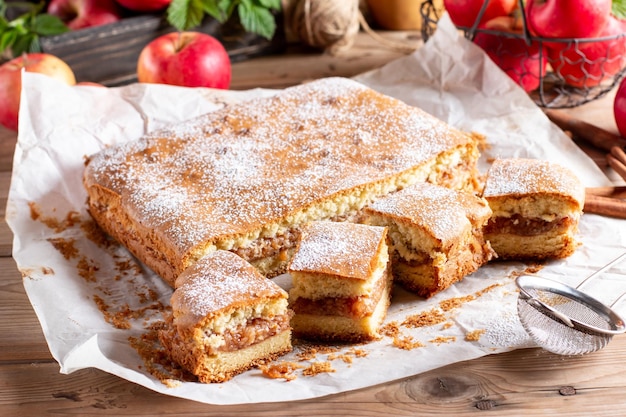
(529, 382)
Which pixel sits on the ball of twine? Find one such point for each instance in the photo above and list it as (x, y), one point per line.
(327, 24)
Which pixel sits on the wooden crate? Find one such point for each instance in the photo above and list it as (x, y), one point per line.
(108, 54)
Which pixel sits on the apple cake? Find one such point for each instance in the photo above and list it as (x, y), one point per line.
(226, 318)
(246, 178)
(536, 209)
(341, 282)
(436, 235)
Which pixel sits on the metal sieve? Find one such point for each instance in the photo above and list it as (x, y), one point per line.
(565, 320)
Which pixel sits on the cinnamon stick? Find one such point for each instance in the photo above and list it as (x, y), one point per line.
(605, 206)
(613, 192)
(617, 165)
(591, 134)
(619, 153)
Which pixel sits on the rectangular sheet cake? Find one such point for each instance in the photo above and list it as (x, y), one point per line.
(247, 177)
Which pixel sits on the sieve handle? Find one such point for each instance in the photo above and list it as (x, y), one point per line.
(541, 306)
(601, 270)
(620, 299)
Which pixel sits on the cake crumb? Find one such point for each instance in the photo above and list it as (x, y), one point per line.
(443, 339)
(406, 342)
(452, 303)
(426, 318)
(87, 269)
(317, 368)
(65, 247)
(310, 352)
(46, 270)
(390, 329)
(72, 218)
(358, 353)
(284, 370)
(474, 335)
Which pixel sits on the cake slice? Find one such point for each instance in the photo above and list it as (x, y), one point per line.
(436, 235)
(341, 282)
(536, 209)
(226, 318)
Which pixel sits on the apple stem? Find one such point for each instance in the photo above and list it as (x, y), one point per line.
(179, 42)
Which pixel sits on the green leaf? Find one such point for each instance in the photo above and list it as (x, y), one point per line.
(8, 38)
(257, 19)
(25, 43)
(269, 4)
(185, 14)
(619, 9)
(48, 25)
(212, 8)
(22, 33)
(255, 15)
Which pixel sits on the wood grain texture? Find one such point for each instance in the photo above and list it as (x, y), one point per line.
(528, 382)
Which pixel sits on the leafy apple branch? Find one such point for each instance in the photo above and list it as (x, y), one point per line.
(256, 16)
(21, 34)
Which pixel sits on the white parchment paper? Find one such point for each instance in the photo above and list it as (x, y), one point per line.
(449, 77)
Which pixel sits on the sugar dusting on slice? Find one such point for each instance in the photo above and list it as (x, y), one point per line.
(445, 213)
(343, 249)
(217, 281)
(520, 176)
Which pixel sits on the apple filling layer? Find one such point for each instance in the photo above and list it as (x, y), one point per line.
(353, 307)
(523, 226)
(253, 331)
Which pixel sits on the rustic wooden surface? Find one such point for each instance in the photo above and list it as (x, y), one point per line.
(529, 382)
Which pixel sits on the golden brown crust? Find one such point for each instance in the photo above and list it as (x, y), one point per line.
(226, 318)
(519, 177)
(222, 366)
(341, 281)
(440, 214)
(341, 250)
(257, 170)
(536, 209)
(216, 285)
(436, 235)
(319, 326)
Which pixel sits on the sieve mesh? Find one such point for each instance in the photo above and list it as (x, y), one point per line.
(564, 320)
(553, 335)
(572, 307)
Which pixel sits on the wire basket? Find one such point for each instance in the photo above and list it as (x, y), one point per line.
(571, 78)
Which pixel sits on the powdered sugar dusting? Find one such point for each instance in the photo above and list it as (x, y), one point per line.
(521, 176)
(343, 249)
(443, 212)
(218, 281)
(225, 172)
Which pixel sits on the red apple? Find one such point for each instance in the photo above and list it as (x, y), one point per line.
(79, 14)
(11, 81)
(189, 59)
(589, 63)
(567, 18)
(465, 12)
(619, 108)
(145, 6)
(525, 64)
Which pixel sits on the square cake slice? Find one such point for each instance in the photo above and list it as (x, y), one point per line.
(341, 282)
(536, 209)
(436, 235)
(226, 318)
